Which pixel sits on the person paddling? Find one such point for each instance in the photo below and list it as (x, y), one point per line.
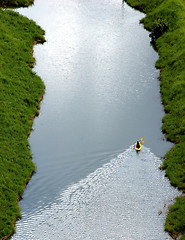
(138, 144)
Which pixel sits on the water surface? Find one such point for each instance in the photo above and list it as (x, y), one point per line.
(126, 198)
(102, 94)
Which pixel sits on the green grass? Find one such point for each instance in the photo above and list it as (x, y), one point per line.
(15, 3)
(21, 89)
(175, 222)
(20, 92)
(170, 44)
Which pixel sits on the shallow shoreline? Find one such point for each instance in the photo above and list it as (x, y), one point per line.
(21, 91)
(36, 112)
(163, 20)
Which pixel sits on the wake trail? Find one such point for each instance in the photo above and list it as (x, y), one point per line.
(126, 198)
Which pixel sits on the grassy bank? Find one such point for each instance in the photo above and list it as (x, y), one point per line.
(15, 3)
(20, 92)
(165, 19)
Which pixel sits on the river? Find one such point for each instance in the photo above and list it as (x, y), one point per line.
(102, 94)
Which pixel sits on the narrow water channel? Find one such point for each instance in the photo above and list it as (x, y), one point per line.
(126, 198)
(102, 94)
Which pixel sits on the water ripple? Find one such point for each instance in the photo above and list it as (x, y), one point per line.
(126, 198)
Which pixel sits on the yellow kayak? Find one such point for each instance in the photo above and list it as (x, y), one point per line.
(138, 149)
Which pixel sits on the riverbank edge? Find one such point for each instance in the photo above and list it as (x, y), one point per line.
(15, 4)
(21, 93)
(165, 21)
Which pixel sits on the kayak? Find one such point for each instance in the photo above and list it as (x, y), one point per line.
(138, 149)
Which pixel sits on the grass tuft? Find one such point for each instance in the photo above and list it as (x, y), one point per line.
(175, 222)
(15, 3)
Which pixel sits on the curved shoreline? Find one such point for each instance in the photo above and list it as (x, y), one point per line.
(172, 153)
(164, 19)
(21, 93)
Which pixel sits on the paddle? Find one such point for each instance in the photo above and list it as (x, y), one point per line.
(141, 140)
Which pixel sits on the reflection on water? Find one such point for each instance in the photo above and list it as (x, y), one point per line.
(125, 199)
(102, 94)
